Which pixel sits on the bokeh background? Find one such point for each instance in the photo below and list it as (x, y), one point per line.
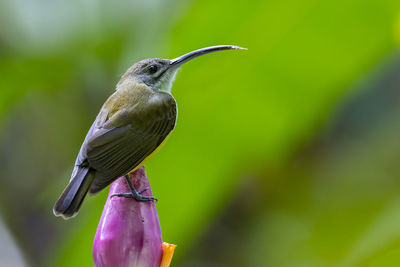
(284, 155)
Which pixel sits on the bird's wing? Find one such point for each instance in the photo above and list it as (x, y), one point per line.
(115, 151)
(81, 160)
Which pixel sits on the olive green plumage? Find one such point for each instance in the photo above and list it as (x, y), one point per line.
(131, 125)
(125, 137)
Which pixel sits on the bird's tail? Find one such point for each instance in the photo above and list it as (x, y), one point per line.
(71, 199)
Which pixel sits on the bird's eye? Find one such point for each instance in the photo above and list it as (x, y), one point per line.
(153, 69)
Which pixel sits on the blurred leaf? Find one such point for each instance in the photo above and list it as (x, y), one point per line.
(257, 106)
(238, 110)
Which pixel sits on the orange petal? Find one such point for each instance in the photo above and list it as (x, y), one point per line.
(168, 252)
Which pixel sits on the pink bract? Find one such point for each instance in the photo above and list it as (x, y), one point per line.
(129, 232)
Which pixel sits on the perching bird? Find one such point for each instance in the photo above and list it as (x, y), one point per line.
(131, 126)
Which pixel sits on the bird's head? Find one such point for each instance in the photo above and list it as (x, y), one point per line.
(159, 74)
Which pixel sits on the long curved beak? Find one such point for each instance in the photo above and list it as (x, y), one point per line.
(189, 56)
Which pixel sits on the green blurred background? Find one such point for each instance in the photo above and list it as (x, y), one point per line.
(284, 155)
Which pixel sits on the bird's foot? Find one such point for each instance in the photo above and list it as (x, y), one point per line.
(138, 196)
(134, 194)
(143, 190)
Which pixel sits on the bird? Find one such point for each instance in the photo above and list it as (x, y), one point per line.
(132, 125)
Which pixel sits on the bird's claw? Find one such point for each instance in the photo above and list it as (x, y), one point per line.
(138, 197)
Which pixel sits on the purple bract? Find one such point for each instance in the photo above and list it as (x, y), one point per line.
(129, 232)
